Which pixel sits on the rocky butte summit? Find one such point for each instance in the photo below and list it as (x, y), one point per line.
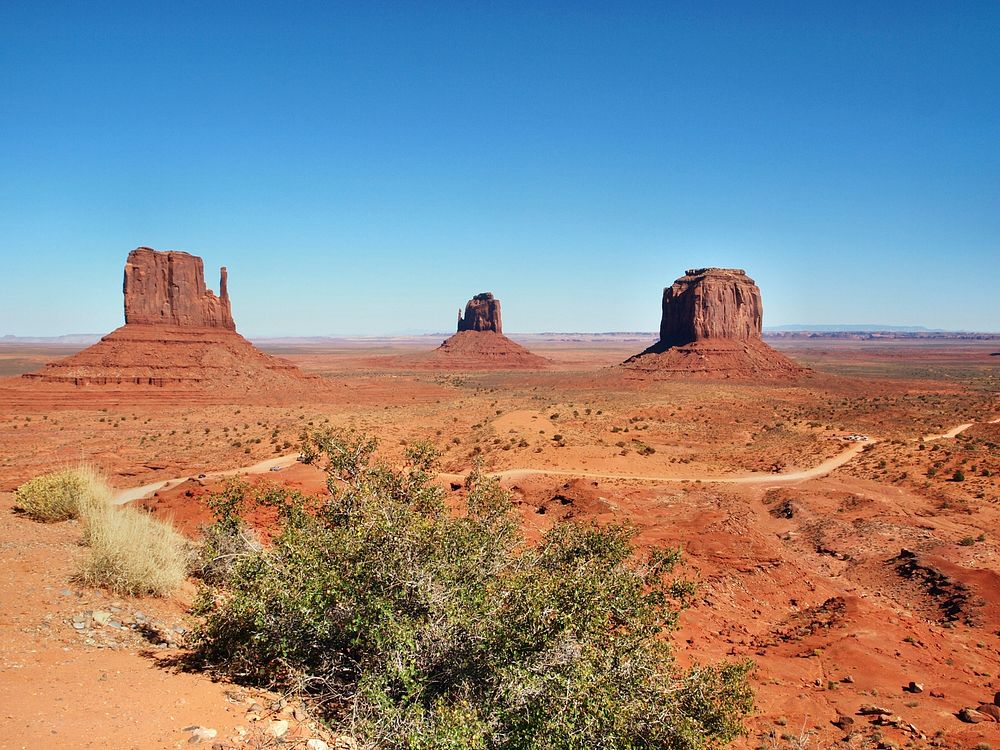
(479, 343)
(177, 334)
(711, 327)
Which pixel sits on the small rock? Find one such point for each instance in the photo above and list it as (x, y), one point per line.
(315, 744)
(990, 709)
(65, 592)
(298, 714)
(972, 716)
(101, 618)
(201, 734)
(345, 742)
(867, 709)
(937, 694)
(79, 625)
(847, 679)
(844, 722)
(278, 728)
(914, 687)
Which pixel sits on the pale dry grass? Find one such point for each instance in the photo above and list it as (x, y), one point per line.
(129, 551)
(132, 553)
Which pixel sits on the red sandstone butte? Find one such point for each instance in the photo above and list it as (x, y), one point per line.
(482, 313)
(711, 326)
(479, 343)
(177, 334)
(168, 288)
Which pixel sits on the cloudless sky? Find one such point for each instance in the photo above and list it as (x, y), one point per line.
(365, 168)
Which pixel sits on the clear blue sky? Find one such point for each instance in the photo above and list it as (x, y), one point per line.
(365, 168)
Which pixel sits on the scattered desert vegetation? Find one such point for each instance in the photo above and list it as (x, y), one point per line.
(416, 625)
(129, 551)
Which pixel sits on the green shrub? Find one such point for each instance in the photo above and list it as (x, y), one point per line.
(420, 627)
(229, 539)
(62, 495)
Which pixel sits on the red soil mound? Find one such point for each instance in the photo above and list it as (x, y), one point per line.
(716, 358)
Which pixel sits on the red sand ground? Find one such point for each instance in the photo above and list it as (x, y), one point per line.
(805, 578)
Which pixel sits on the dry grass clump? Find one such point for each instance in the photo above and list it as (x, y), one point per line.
(130, 552)
(62, 495)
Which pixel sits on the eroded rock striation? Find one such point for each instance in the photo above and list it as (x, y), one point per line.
(711, 326)
(177, 334)
(482, 313)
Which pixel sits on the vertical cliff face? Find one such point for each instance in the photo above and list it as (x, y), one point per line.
(168, 289)
(482, 313)
(711, 303)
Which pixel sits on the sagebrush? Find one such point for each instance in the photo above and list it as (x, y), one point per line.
(61, 495)
(415, 626)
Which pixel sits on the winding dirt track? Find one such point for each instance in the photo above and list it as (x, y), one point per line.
(792, 476)
(955, 431)
(136, 493)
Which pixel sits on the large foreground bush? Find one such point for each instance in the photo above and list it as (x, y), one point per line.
(130, 552)
(418, 627)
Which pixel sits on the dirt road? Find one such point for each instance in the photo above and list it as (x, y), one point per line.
(135, 493)
(129, 494)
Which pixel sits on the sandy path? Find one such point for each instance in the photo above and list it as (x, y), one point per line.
(793, 476)
(953, 432)
(136, 493)
(262, 467)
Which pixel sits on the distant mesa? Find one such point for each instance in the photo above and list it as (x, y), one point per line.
(177, 333)
(479, 343)
(711, 327)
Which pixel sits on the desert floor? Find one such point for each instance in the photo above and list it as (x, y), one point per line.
(844, 569)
